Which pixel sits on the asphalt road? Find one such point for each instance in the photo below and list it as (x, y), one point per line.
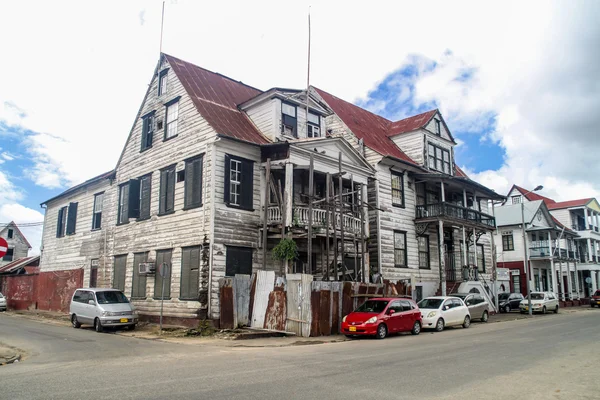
(552, 357)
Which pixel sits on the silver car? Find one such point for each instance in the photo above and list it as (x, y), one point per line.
(2, 302)
(102, 308)
(479, 308)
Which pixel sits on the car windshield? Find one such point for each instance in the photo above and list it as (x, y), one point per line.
(372, 306)
(430, 303)
(537, 296)
(503, 296)
(112, 297)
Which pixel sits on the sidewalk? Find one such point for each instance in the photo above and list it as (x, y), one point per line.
(9, 355)
(516, 315)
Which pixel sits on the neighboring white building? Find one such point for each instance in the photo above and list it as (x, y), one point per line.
(18, 246)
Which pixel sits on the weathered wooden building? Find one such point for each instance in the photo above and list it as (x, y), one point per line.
(18, 246)
(215, 173)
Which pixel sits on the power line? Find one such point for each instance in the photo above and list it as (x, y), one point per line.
(23, 224)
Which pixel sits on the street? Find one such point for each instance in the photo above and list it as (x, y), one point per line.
(552, 357)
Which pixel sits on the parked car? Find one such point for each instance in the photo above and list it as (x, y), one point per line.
(381, 316)
(540, 302)
(478, 306)
(102, 308)
(509, 301)
(3, 304)
(440, 311)
(595, 299)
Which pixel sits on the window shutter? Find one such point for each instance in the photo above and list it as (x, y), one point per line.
(198, 180)
(144, 132)
(146, 189)
(134, 199)
(139, 281)
(247, 183)
(71, 218)
(163, 191)
(189, 183)
(170, 189)
(227, 177)
(125, 206)
(119, 272)
(163, 256)
(190, 263)
(59, 223)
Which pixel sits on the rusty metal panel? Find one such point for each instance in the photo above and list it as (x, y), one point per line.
(325, 313)
(55, 289)
(298, 304)
(252, 291)
(265, 282)
(315, 298)
(241, 294)
(335, 313)
(276, 310)
(347, 299)
(227, 303)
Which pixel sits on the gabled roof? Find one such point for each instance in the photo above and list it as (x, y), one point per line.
(511, 214)
(369, 127)
(21, 262)
(570, 203)
(106, 175)
(12, 223)
(411, 123)
(561, 226)
(216, 98)
(532, 196)
(460, 172)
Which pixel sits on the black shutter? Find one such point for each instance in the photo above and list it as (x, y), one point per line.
(144, 133)
(134, 199)
(198, 177)
(170, 189)
(124, 211)
(247, 195)
(189, 183)
(59, 223)
(146, 188)
(120, 263)
(139, 281)
(227, 177)
(163, 191)
(162, 256)
(190, 264)
(71, 218)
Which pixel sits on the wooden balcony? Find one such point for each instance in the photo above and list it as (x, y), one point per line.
(455, 213)
(319, 219)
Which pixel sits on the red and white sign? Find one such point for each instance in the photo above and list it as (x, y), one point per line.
(3, 247)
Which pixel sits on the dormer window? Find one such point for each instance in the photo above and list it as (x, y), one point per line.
(439, 159)
(314, 125)
(438, 128)
(289, 122)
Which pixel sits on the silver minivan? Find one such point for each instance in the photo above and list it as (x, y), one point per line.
(102, 308)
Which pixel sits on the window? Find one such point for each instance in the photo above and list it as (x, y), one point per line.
(396, 306)
(314, 125)
(238, 261)
(138, 281)
(172, 116)
(193, 182)
(289, 122)
(147, 130)
(9, 255)
(397, 189)
(400, 259)
(94, 273)
(123, 216)
(239, 182)
(144, 197)
(72, 219)
(120, 266)
(507, 241)
(406, 305)
(162, 82)
(516, 283)
(97, 212)
(10, 233)
(516, 199)
(190, 272)
(163, 256)
(167, 190)
(438, 130)
(61, 223)
(423, 243)
(480, 258)
(439, 159)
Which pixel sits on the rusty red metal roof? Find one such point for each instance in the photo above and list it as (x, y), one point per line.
(411, 123)
(569, 203)
(21, 262)
(460, 172)
(369, 127)
(532, 196)
(216, 98)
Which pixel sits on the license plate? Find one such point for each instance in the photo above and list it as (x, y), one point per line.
(352, 329)
(526, 308)
(124, 320)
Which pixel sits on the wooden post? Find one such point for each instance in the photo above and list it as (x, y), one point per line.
(284, 264)
(362, 237)
(266, 213)
(327, 208)
(442, 258)
(354, 232)
(310, 212)
(340, 183)
(333, 225)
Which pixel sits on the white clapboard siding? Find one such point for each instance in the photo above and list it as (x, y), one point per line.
(412, 144)
(263, 116)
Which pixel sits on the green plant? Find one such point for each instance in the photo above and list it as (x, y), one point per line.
(286, 250)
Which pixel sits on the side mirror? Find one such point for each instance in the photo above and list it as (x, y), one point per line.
(446, 308)
(391, 311)
(92, 303)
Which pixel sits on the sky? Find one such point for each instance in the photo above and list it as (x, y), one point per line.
(518, 83)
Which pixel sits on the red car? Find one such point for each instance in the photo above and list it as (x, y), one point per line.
(595, 300)
(381, 316)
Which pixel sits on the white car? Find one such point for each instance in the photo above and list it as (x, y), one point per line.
(540, 302)
(2, 302)
(440, 311)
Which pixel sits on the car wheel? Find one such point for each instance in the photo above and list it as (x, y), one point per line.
(439, 325)
(556, 310)
(592, 305)
(544, 310)
(74, 322)
(416, 328)
(131, 327)
(467, 322)
(98, 325)
(484, 317)
(381, 331)
(507, 309)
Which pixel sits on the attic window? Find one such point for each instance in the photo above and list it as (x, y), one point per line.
(516, 199)
(162, 82)
(289, 122)
(314, 125)
(438, 129)
(10, 234)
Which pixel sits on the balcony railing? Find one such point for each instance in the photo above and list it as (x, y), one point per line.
(450, 210)
(537, 250)
(301, 217)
